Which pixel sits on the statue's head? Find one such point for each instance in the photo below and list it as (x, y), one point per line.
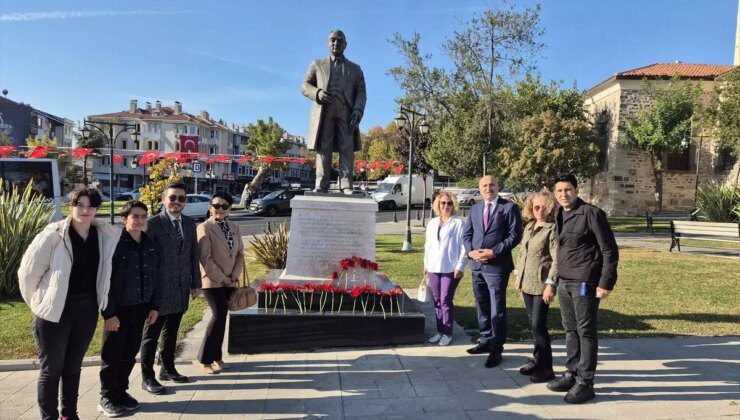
(337, 43)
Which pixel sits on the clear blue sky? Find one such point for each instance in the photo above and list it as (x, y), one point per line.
(244, 60)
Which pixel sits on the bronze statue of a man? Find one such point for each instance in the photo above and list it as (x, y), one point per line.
(337, 88)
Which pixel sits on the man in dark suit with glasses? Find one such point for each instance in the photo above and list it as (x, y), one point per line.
(174, 234)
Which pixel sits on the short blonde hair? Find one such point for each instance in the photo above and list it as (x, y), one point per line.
(527, 211)
(451, 196)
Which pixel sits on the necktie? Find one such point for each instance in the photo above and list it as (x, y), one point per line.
(177, 228)
(486, 216)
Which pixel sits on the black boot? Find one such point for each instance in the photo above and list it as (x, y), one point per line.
(542, 374)
(562, 384)
(580, 393)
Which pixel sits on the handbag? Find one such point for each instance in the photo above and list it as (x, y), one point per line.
(424, 293)
(244, 295)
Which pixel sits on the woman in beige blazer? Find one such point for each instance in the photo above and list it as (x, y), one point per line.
(536, 279)
(221, 262)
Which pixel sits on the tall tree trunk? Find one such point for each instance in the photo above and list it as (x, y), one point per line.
(251, 187)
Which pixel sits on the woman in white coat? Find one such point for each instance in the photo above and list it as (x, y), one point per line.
(444, 262)
(65, 278)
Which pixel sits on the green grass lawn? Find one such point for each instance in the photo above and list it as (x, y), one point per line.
(658, 293)
(637, 224)
(699, 243)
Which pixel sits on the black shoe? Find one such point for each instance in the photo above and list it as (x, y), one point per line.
(478, 350)
(528, 368)
(152, 386)
(580, 393)
(562, 384)
(109, 408)
(493, 360)
(540, 375)
(127, 402)
(172, 376)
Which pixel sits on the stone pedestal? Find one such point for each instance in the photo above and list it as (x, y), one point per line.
(324, 229)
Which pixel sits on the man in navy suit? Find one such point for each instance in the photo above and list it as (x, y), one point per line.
(492, 230)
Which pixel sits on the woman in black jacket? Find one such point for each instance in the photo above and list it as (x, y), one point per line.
(134, 299)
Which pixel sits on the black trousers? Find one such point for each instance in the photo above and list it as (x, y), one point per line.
(118, 355)
(61, 348)
(167, 326)
(218, 301)
(537, 313)
(489, 290)
(579, 321)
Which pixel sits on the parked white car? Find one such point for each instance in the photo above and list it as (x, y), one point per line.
(197, 206)
(469, 197)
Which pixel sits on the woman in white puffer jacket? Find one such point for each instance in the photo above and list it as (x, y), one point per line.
(65, 278)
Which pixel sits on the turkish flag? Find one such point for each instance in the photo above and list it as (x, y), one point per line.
(81, 152)
(117, 158)
(173, 155)
(387, 165)
(149, 157)
(210, 160)
(398, 170)
(302, 161)
(222, 158)
(360, 164)
(189, 144)
(268, 159)
(39, 152)
(5, 151)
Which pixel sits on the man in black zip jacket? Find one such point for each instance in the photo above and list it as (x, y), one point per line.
(587, 272)
(133, 301)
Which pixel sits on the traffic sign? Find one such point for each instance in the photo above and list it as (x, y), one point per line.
(197, 167)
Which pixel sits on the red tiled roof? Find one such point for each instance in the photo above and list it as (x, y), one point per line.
(665, 70)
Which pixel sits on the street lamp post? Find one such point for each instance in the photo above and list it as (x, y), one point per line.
(111, 139)
(412, 122)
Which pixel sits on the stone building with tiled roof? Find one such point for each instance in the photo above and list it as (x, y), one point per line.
(626, 184)
(161, 127)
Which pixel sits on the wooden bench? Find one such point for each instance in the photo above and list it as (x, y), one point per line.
(665, 216)
(705, 231)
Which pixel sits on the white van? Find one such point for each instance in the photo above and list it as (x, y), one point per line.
(392, 192)
(44, 173)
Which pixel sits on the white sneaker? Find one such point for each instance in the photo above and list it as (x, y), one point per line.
(445, 340)
(435, 338)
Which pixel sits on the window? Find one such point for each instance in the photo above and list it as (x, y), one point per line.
(177, 146)
(152, 145)
(680, 161)
(124, 162)
(154, 127)
(725, 160)
(213, 150)
(214, 134)
(209, 167)
(105, 161)
(123, 144)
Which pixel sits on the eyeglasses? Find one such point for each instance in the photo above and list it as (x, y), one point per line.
(180, 198)
(220, 206)
(445, 203)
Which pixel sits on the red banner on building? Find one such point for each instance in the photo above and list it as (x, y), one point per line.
(189, 144)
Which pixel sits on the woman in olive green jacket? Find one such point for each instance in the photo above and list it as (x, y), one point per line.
(536, 278)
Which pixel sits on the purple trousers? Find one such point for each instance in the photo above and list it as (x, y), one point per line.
(443, 287)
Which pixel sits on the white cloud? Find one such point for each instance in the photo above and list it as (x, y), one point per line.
(58, 15)
(277, 72)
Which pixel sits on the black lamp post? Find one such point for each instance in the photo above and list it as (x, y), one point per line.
(111, 139)
(411, 122)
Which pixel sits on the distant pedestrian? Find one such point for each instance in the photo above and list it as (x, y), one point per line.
(444, 262)
(174, 234)
(221, 263)
(133, 301)
(536, 279)
(587, 271)
(64, 278)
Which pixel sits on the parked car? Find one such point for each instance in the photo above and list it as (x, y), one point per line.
(469, 197)
(274, 203)
(128, 196)
(505, 193)
(197, 206)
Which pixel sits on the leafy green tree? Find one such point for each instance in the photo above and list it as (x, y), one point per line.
(264, 140)
(550, 144)
(383, 146)
(96, 141)
(162, 173)
(5, 138)
(463, 102)
(664, 126)
(723, 112)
